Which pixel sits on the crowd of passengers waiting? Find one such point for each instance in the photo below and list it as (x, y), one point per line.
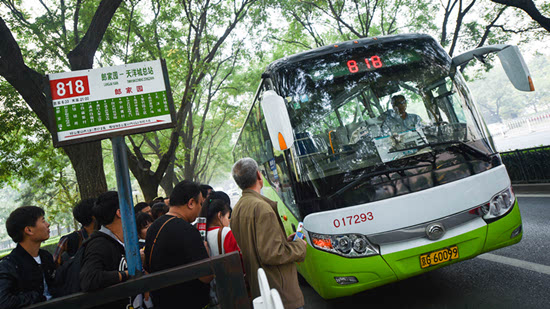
(94, 256)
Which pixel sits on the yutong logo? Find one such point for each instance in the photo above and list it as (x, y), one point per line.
(435, 231)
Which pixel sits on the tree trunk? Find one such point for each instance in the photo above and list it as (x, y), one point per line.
(87, 161)
(148, 180)
(459, 20)
(141, 169)
(167, 182)
(448, 9)
(149, 190)
(189, 171)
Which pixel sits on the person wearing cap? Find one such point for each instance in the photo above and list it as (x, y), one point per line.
(400, 120)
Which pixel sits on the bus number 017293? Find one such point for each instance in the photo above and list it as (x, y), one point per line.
(356, 219)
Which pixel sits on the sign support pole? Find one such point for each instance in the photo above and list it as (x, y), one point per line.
(124, 188)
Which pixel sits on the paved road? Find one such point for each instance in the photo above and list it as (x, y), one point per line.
(525, 140)
(512, 277)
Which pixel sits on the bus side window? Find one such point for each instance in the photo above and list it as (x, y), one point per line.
(285, 189)
(250, 141)
(257, 146)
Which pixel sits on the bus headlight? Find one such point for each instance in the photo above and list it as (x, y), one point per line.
(499, 205)
(343, 243)
(348, 245)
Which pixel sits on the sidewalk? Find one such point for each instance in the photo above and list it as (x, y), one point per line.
(527, 189)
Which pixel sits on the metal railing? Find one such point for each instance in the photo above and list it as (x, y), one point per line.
(226, 268)
(531, 165)
(523, 125)
(540, 120)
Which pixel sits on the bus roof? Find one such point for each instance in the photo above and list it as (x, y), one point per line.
(274, 66)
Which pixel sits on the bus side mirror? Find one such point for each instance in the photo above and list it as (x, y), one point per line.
(277, 120)
(516, 69)
(511, 60)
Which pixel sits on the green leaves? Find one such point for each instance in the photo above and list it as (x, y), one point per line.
(22, 138)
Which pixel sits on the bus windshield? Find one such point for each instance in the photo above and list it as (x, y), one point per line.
(373, 114)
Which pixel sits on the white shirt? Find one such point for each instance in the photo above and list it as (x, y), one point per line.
(46, 290)
(395, 124)
(105, 230)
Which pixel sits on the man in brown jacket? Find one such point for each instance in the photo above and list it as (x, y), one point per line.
(260, 234)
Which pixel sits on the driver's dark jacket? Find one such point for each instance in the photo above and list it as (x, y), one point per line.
(22, 279)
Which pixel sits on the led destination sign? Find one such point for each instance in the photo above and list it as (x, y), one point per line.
(350, 62)
(373, 62)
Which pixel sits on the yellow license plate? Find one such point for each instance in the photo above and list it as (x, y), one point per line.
(438, 257)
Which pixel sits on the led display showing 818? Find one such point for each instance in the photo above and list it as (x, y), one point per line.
(366, 64)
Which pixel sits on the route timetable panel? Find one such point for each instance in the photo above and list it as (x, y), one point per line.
(120, 100)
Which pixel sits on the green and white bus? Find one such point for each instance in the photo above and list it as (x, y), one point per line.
(382, 198)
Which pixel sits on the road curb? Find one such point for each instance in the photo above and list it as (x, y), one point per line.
(528, 189)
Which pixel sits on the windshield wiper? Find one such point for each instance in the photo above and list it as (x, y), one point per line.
(460, 144)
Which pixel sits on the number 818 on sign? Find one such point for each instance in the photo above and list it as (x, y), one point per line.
(69, 87)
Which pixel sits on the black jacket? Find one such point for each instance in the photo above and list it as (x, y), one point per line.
(103, 259)
(22, 279)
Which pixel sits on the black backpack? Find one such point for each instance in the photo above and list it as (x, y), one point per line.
(67, 276)
(73, 241)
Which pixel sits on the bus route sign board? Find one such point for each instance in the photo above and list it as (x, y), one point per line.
(90, 105)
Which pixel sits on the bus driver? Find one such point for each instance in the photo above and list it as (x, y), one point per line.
(399, 120)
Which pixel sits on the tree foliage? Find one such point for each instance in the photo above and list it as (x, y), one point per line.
(325, 22)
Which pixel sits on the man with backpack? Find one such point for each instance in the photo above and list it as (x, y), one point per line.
(69, 244)
(103, 262)
(26, 274)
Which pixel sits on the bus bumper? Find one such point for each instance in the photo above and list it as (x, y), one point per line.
(504, 232)
(323, 267)
(406, 263)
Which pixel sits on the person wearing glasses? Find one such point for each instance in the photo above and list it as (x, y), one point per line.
(399, 120)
